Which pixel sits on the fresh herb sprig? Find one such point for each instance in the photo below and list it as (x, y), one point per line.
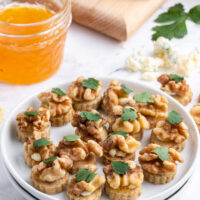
(175, 22)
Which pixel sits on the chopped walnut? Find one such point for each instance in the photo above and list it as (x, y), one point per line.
(115, 97)
(77, 92)
(119, 146)
(132, 127)
(33, 123)
(179, 90)
(151, 162)
(195, 113)
(153, 111)
(173, 87)
(84, 188)
(167, 132)
(33, 155)
(50, 172)
(90, 129)
(79, 150)
(130, 180)
(58, 105)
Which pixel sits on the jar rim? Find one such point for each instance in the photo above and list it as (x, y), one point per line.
(57, 15)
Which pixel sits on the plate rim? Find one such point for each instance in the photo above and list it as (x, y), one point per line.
(38, 194)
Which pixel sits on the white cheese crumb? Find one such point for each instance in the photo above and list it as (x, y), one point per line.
(165, 57)
(36, 157)
(85, 193)
(150, 76)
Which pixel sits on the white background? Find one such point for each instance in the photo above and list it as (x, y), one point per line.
(89, 53)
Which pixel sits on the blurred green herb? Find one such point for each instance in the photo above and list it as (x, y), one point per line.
(175, 22)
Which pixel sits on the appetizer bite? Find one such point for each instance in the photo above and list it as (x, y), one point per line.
(128, 120)
(119, 146)
(153, 107)
(85, 185)
(33, 121)
(171, 132)
(123, 180)
(50, 176)
(159, 163)
(85, 93)
(177, 87)
(36, 151)
(195, 113)
(116, 96)
(90, 125)
(59, 104)
(83, 154)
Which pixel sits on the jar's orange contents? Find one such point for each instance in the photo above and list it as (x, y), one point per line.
(29, 59)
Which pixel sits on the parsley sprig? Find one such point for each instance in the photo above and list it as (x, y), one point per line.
(175, 22)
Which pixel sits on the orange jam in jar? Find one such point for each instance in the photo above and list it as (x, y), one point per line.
(32, 39)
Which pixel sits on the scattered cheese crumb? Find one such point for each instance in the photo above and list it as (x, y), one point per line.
(1, 115)
(164, 58)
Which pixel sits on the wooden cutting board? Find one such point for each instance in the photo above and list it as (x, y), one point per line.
(116, 18)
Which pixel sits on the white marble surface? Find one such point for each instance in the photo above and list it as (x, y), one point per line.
(91, 54)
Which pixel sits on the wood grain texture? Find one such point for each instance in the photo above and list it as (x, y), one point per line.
(116, 18)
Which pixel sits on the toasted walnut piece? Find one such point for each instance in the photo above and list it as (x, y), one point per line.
(117, 142)
(79, 150)
(33, 155)
(152, 164)
(30, 123)
(195, 113)
(83, 188)
(78, 92)
(132, 127)
(167, 132)
(58, 105)
(173, 87)
(53, 171)
(90, 129)
(95, 148)
(131, 179)
(115, 97)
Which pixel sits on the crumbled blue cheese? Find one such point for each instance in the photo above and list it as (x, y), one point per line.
(165, 58)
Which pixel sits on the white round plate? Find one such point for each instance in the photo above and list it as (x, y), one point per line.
(12, 149)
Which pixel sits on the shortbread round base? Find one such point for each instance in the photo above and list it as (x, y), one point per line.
(81, 106)
(177, 146)
(94, 196)
(158, 178)
(122, 194)
(50, 188)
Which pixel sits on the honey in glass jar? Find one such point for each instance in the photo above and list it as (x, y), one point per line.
(32, 39)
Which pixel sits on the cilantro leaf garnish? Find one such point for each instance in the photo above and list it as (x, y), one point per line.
(90, 116)
(174, 118)
(49, 160)
(120, 167)
(176, 77)
(31, 113)
(125, 134)
(59, 92)
(144, 97)
(194, 14)
(175, 18)
(129, 114)
(125, 89)
(41, 142)
(90, 83)
(71, 138)
(85, 175)
(162, 153)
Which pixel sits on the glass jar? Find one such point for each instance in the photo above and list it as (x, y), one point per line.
(32, 52)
